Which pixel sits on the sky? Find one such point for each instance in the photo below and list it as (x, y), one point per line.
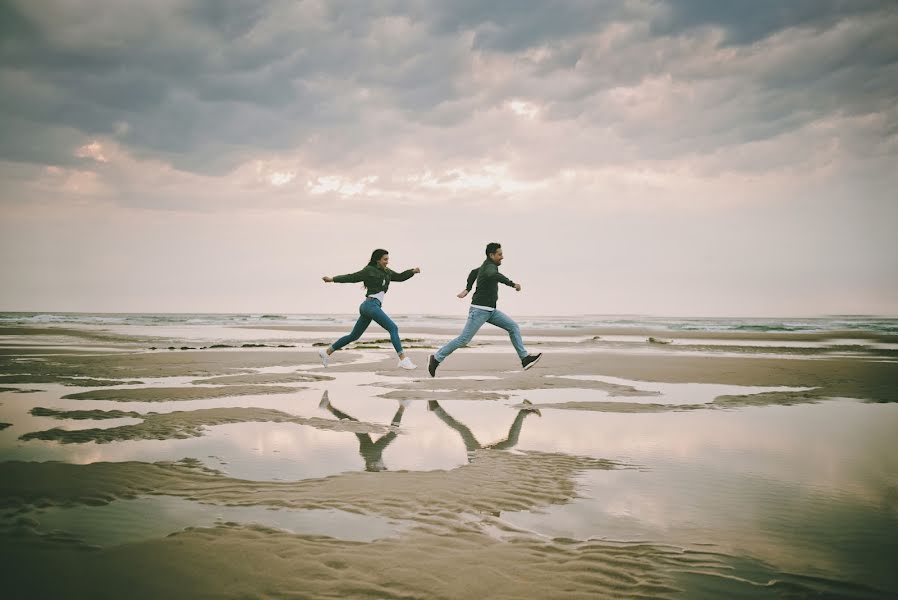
(672, 158)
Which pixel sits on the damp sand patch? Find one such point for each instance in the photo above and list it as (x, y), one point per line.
(497, 388)
(175, 394)
(17, 390)
(835, 377)
(20, 390)
(145, 364)
(442, 395)
(154, 517)
(262, 378)
(493, 481)
(40, 350)
(561, 401)
(770, 399)
(613, 407)
(83, 415)
(419, 564)
(690, 393)
(70, 381)
(465, 561)
(28, 330)
(178, 425)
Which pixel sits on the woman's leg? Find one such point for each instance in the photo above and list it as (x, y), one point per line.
(365, 443)
(381, 318)
(360, 326)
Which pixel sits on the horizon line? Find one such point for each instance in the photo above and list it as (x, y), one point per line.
(459, 315)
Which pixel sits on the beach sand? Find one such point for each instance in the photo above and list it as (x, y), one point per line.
(622, 468)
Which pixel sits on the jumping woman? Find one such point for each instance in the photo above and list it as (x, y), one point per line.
(376, 277)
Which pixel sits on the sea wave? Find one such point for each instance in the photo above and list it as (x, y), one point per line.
(876, 324)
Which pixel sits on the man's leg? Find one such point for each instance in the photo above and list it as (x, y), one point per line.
(515, 430)
(471, 443)
(500, 319)
(476, 318)
(381, 444)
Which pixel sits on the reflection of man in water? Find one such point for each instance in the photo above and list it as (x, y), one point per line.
(471, 443)
(370, 450)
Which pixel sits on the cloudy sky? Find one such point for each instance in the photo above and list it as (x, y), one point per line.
(658, 157)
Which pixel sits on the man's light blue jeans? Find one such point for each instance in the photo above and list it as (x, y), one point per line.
(476, 318)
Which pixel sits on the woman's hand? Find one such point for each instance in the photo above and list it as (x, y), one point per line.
(327, 279)
(417, 269)
(462, 293)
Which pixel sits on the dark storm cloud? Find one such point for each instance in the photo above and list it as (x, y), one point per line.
(185, 83)
(512, 25)
(208, 84)
(230, 18)
(748, 22)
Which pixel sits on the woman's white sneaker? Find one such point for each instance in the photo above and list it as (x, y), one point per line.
(324, 356)
(406, 363)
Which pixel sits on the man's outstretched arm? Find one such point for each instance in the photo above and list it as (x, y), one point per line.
(492, 272)
(472, 277)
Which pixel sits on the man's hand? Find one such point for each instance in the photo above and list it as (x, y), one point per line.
(463, 293)
(327, 279)
(417, 269)
(517, 287)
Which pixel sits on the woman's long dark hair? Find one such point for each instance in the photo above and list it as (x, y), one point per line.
(376, 256)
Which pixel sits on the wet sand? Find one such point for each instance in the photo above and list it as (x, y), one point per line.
(586, 476)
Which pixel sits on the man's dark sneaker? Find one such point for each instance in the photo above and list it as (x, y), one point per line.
(530, 360)
(432, 365)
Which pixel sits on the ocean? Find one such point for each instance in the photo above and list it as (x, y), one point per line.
(870, 323)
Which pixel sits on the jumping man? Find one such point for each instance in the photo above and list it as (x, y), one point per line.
(483, 310)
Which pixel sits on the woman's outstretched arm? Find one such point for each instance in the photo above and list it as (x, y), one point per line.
(405, 275)
(349, 278)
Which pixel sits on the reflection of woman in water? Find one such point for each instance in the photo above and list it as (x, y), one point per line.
(371, 451)
(471, 443)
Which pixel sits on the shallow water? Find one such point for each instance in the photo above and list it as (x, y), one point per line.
(804, 493)
(802, 487)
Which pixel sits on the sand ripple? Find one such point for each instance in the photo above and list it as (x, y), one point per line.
(171, 394)
(179, 424)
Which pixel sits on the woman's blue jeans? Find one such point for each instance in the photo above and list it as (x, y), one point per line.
(370, 310)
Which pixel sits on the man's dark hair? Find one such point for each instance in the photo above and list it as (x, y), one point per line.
(492, 247)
